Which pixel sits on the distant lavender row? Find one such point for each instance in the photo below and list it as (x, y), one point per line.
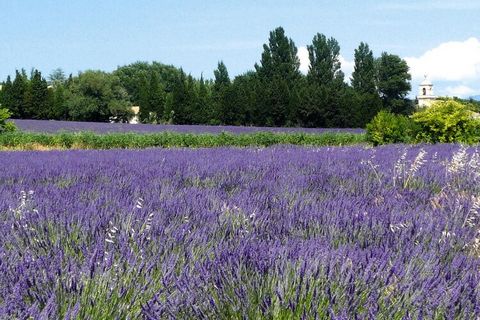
(99, 127)
(275, 233)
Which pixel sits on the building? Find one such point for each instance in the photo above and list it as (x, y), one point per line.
(426, 97)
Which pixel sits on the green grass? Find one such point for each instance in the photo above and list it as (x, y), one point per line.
(88, 140)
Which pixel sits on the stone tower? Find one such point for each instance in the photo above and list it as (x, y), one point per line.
(425, 93)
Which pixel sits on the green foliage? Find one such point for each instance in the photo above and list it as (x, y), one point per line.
(18, 95)
(366, 106)
(38, 107)
(393, 83)
(27, 98)
(363, 76)
(6, 98)
(151, 98)
(4, 125)
(57, 77)
(447, 121)
(89, 140)
(324, 56)
(387, 127)
(97, 96)
(131, 77)
(444, 122)
(365, 98)
(240, 101)
(220, 95)
(59, 109)
(9, 127)
(276, 93)
(181, 99)
(324, 97)
(278, 73)
(279, 57)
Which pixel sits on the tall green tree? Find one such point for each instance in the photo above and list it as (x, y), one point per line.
(57, 77)
(393, 83)
(156, 97)
(279, 73)
(365, 100)
(236, 102)
(151, 98)
(6, 99)
(363, 76)
(190, 114)
(59, 110)
(222, 78)
(244, 98)
(323, 95)
(279, 57)
(39, 106)
(221, 89)
(203, 104)
(58, 81)
(131, 77)
(143, 98)
(19, 95)
(324, 56)
(178, 103)
(97, 96)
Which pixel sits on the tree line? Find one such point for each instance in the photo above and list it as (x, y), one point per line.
(274, 93)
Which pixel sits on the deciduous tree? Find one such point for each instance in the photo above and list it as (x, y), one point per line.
(393, 83)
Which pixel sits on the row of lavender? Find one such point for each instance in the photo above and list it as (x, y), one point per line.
(277, 233)
(99, 127)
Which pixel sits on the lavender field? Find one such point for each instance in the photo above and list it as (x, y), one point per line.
(273, 233)
(47, 126)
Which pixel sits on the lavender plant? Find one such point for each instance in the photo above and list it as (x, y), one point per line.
(269, 233)
(98, 127)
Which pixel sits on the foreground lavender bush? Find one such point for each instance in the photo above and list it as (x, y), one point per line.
(98, 127)
(280, 233)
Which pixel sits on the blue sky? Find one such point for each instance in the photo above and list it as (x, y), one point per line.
(441, 36)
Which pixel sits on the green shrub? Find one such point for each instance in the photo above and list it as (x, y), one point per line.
(4, 125)
(90, 140)
(387, 127)
(447, 121)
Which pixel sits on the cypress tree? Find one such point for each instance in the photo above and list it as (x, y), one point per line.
(279, 73)
(19, 100)
(6, 96)
(144, 98)
(156, 97)
(190, 101)
(323, 101)
(39, 105)
(324, 56)
(202, 109)
(178, 100)
(366, 100)
(363, 76)
(59, 109)
(221, 87)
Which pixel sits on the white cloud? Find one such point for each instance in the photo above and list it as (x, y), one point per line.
(304, 61)
(347, 66)
(459, 91)
(450, 61)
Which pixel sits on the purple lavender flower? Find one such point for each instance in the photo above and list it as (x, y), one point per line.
(343, 232)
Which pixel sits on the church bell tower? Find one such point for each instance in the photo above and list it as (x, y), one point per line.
(426, 96)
